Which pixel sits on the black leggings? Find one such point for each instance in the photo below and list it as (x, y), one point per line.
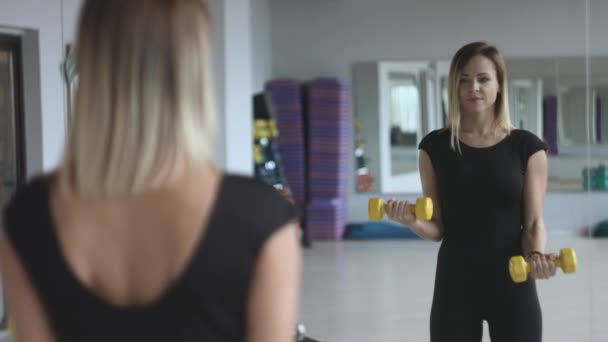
(512, 311)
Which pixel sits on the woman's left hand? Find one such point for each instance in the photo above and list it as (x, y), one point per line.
(542, 266)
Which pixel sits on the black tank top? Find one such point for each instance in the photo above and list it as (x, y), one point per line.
(208, 300)
(481, 198)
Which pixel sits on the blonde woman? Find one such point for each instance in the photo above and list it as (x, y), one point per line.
(487, 181)
(137, 236)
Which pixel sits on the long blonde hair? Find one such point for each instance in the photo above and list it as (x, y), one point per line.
(459, 61)
(144, 100)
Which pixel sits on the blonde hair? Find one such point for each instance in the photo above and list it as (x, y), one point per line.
(459, 61)
(144, 103)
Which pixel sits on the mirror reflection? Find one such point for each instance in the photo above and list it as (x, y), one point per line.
(365, 279)
(380, 287)
(548, 96)
(405, 122)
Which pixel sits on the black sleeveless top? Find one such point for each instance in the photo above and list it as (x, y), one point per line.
(481, 198)
(207, 302)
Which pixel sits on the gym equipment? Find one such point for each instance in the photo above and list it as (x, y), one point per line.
(301, 334)
(423, 209)
(519, 268)
(282, 100)
(595, 178)
(326, 218)
(328, 126)
(365, 180)
(329, 120)
(601, 229)
(373, 230)
(267, 161)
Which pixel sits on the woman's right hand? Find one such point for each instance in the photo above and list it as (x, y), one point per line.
(399, 210)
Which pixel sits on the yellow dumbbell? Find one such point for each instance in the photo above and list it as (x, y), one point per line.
(423, 209)
(519, 268)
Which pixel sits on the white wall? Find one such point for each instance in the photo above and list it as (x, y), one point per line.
(260, 44)
(232, 70)
(216, 11)
(235, 133)
(56, 20)
(48, 117)
(70, 12)
(325, 37)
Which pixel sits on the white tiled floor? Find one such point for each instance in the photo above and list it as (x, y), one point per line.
(381, 291)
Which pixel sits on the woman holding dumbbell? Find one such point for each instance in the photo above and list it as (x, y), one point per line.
(138, 236)
(487, 182)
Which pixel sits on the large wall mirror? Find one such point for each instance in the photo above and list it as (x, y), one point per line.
(554, 98)
(395, 55)
(564, 101)
(548, 96)
(394, 98)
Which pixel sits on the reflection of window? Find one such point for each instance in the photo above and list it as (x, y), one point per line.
(573, 116)
(405, 109)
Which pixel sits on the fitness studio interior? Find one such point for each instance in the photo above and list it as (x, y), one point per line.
(328, 101)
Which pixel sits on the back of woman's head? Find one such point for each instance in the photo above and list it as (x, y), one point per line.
(143, 104)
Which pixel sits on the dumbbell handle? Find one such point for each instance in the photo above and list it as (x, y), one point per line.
(556, 262)
(423, 209)
(412, 208)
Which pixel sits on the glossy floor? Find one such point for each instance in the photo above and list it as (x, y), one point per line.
(381, 291)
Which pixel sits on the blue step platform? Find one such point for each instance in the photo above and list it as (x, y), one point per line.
(377, 230)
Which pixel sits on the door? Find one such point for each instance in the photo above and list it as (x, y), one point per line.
(12, 158)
